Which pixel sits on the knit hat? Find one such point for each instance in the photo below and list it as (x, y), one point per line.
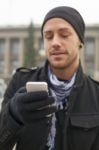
(69, 14)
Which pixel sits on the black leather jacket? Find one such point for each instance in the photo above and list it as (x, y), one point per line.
(77, 127)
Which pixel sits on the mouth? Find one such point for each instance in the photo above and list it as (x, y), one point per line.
(57, 53)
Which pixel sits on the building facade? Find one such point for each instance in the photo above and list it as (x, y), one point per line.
(12, 49)
(90, 53)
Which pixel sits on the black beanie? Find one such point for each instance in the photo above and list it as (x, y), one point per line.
(69, 14)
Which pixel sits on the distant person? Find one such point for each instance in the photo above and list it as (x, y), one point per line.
(65, 118)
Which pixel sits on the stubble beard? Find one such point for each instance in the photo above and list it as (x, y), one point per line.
(67, 66)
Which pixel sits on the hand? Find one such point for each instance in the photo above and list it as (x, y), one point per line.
(27, 107)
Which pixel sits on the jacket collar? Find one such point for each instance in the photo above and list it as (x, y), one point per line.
(79, 77)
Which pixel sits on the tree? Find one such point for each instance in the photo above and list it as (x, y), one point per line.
(30, 52)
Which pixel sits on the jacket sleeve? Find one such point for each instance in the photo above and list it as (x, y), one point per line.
(9, 127)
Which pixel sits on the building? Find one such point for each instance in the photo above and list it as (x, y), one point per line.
(12, 48)
(90, 54)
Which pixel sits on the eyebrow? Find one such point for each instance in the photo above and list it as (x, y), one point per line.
(64, 29)
(61, 29)
(47, 32)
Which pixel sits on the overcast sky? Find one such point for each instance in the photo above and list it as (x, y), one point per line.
(21, 12)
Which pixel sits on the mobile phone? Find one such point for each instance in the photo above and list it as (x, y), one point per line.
(36, 86)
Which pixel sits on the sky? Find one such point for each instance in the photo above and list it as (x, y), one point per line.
(22, 12)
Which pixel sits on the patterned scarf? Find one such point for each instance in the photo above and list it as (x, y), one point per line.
(60, 90)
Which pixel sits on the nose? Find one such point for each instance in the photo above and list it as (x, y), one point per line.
(56, 41)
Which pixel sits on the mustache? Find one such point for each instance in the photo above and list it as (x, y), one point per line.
(58, 51)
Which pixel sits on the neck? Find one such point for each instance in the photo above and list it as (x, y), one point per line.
(65, 73)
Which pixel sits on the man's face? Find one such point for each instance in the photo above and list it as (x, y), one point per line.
(61, 43)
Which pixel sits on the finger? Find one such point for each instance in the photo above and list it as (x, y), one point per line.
(44, 112)
(36, 105)
(33, 96)
(22, 90)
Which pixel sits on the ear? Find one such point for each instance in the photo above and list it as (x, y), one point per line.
(81, 45)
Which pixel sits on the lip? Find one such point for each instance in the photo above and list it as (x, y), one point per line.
(58, 56)
(57, 53)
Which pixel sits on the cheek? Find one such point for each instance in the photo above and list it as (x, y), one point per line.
(46, 48)
(46, 44)
(74, 49)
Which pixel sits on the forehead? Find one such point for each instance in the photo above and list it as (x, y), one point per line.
(55, 23)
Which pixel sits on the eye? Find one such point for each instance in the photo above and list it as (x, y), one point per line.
(65, 35)
(48, 35)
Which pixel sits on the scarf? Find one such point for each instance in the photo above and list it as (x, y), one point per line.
(60, 89)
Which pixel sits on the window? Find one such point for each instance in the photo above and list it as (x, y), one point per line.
(15, 46)
(15, 65)
(2, 48)
(1, 66)
(2, 51)
(90, 55)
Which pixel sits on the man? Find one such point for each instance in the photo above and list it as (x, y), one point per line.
(73, 98)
